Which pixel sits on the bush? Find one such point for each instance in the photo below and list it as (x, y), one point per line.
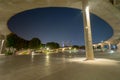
(8, 53)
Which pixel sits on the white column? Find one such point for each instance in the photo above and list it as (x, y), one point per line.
(109, 45)
(1, 47)
(87, 31)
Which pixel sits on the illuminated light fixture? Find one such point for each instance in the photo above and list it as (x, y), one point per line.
(87, 10)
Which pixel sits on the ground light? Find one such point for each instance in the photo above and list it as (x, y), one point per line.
(96, 61)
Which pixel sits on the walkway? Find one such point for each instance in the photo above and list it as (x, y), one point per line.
(60, 67)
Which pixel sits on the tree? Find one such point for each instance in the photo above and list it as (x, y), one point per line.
(52, 45)
(75, 46)
(82, 47)
(34, 43)
(42, 45)
(16, 42)
(21, 43)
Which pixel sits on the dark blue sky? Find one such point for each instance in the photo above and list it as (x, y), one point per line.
(58, 24)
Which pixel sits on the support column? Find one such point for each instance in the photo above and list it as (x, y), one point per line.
(1, 46)
(87, 31)
(102, 46)
(109, 44)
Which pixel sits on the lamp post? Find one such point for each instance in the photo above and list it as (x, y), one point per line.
(87, 31)
(1, 47)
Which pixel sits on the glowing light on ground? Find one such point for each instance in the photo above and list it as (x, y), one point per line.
(47, 60)
(97, 61)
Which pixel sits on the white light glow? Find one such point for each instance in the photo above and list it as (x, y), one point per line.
(32, 57)
(47, 56)
(111, 51)
(87, 8)
(97, 61)
(87, 11)
(47, 60)
(48, 48)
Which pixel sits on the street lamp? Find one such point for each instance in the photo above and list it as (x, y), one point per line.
(1, 47)
(87, 31)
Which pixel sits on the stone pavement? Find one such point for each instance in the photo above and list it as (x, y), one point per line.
(58, 68)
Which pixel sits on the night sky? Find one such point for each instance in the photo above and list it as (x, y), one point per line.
(57, 24)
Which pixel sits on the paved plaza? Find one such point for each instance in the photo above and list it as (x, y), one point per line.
(60, 67)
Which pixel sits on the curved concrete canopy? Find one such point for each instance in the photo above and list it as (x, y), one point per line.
(102, 8)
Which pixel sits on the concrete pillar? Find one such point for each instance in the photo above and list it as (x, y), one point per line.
(87, 31)
(102, 46)
(109, 45)
(1, 46)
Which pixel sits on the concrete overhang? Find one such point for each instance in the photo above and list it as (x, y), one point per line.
(102, 8)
